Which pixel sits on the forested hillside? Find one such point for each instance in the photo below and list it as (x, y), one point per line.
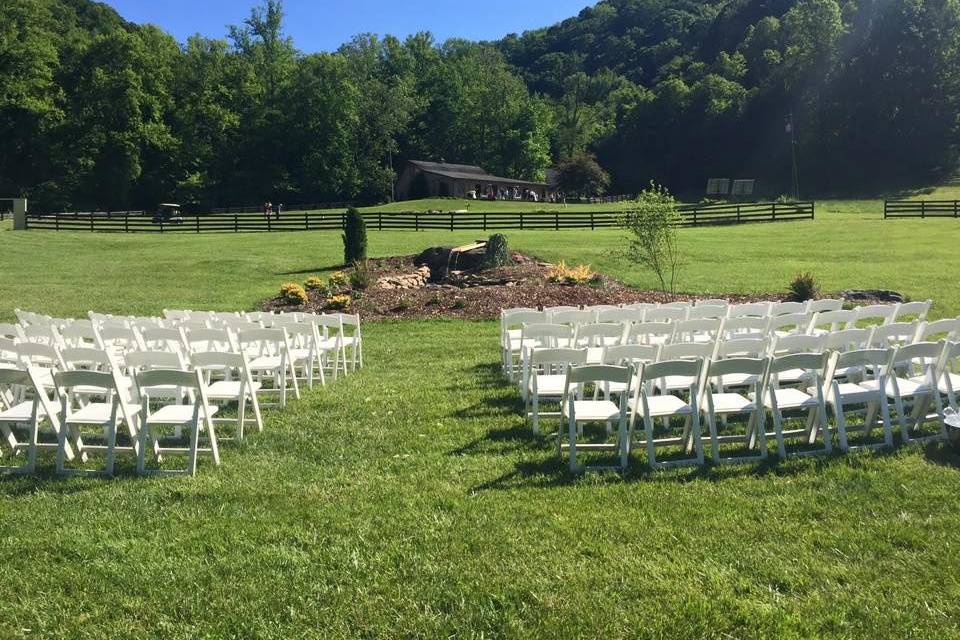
(97, 112)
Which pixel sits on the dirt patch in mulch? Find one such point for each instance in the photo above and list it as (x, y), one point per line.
(527, 286)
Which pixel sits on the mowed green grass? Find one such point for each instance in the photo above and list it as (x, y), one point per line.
(410, 500)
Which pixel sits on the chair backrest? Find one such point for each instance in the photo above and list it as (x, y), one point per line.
(871, 363)
(153, 360)
(815, 363)
(79, 333)
(876, 313)
(157, 339)
(787, 308)
(784, 345)
(640, 306)
(9, 331)
(39, 355)
(732, 366)
(9, 356)
(793, 323)
(208, 340)
(894, 334)
(99, 380)
(176, 314)
(86, 358)
(848, 340)
(834, 320)
(573, 318)
(264, 342)
(150, 379)
(599, 373)
(668, 368)
(648, 333)
(945, 329)
(697, 330)
(749, 310)
(666, 314)
(597, 334)
(621, 316)
(40, 334)
(824, 306)
(742, 348)
(912, 311)
(687, 350)
(518, 318)
(631, 353)
(701, 312)
(713, 302)
(118, 337)
(682, 304)
(558, 309)
(745, 327)
(920, 357)
(544, 335)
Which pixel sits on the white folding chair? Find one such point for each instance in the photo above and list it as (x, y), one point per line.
(44, 358)
(876, 314)
(894, 334)
(620, 316)
(547, 379)
(103, 417)
(572, 317)
(651, 405)
(874, 366)
(749, 310)
(306, 356)
(511, 324)
(235, 384)
(577, 411)
(79, 334)
(787, 308)
(782, 346)
(118, 340)
(708, 312)
(540, 336)
(352, 340)
(832, 321)
(912, 311)
(826, 305)
(780, 397)
(25, 406)
(703, 330)
(194, 417)
(666, 314)
(595, 337)
(790, 324)
(652, 333)
(713, 302)
(723, 402)
(946, 329)
(163, 339)
(949, 383)
(914, 381)
(744, 327)
(269, 353)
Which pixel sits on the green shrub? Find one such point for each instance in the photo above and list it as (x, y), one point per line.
(362, 275)
(498, 252)
(339, 302)
(293, 293)
(803, 287)
(338, 280)
(315, 283)
(354, 237)
(652, 223)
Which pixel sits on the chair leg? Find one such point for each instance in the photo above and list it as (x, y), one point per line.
(572, 429)
(194, 448)
(778, 430)
(651, 449)
(839, 411)
(714, 441)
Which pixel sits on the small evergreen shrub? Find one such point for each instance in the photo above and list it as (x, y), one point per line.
(293, 293)
(362, 275)
(498, 252)
(339, 302)
(354, 237)
(803, 287)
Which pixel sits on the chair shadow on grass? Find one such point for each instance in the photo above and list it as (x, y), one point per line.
(943, 454)
(312, 270)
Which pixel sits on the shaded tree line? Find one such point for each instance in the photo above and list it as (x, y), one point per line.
(98, 112)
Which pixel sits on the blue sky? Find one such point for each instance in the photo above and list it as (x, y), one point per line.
(323, 25)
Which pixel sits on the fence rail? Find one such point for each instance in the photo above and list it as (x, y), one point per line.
(921, 209)
(138, 222)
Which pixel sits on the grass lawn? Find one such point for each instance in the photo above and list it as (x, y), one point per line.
(410, 501)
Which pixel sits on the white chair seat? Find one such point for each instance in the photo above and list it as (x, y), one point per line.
(98, 413)
(266, 363)
(22, 412)
(791, 376)
(549, 385)
(228, 389)
(667, 405)
(593, 410)
(954, 382)
(177, 414)
(790, 399)
(852, 393)
(595, 355)
(732, 403)
(908, 387)
(673, 383)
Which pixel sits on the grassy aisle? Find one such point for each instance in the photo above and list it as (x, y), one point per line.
(409, 501)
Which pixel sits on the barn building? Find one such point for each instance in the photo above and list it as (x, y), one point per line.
(420, 179)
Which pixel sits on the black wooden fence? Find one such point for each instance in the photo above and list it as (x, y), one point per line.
(921, 209)
(139, 222)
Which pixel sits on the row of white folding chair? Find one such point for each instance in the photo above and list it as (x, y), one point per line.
(26, 405)
(922, 379)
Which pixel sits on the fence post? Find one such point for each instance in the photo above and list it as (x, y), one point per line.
(591, 221)
(269, 225)
(236, 224)
(91, 222)
(126, 222)
(380, 220)
(556, 221)
(416, 221)
(451, 222)
(923, 209)
(484, 220)
(521, 221)
(306, 221)
(954, 208)
(56, 217)
(196, 222)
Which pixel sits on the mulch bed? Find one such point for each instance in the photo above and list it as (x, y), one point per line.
(527, 287)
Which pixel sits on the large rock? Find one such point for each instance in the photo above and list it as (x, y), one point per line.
(883, 295)
(416, 280)
(439, 261)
